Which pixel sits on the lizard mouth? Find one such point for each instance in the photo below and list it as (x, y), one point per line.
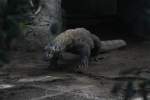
(50, 56)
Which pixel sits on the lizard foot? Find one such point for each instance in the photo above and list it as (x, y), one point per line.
(96, 59)
(83, 66)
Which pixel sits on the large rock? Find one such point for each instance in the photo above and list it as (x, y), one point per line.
(45, 23)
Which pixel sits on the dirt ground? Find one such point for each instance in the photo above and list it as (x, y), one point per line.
(27, 76)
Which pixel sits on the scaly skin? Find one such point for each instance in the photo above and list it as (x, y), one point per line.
(79, 41)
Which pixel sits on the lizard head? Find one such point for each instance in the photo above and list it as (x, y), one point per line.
(51, 51)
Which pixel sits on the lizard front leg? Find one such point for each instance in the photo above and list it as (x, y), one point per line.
(54, 61)
(84, 52)
(83, 63)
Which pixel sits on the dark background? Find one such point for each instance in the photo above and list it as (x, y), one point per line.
(117, 18)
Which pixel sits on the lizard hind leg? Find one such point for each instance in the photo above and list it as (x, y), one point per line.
(97, 48)
(97, 58)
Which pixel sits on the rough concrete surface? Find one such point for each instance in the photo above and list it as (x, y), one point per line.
(27, 76)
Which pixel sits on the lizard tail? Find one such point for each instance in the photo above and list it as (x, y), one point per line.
(112, 44)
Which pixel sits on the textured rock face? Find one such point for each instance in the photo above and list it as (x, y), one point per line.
(45, 23)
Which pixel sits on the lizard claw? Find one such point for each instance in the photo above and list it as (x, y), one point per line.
(83, 65)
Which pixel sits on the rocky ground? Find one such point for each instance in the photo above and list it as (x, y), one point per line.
(27, 76)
